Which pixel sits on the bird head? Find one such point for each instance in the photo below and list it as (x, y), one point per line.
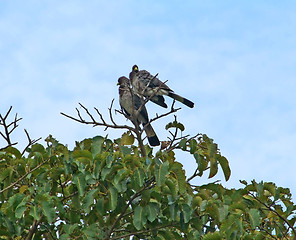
(135, 68)
(123, 81)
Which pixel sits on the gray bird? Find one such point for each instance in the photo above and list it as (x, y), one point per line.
(144, 81)
(130, 103)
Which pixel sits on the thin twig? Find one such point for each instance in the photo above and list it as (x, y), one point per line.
(193, 175)
(144, 231)
(110, 112)
(31, 142)
(33, 229)
(276, 213)
(98, 123)
(24, 176)
(127, 206)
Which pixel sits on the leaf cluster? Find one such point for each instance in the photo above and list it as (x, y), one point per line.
(116, 189)
(104, 189)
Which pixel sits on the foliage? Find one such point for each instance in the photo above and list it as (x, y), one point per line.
(105, 189)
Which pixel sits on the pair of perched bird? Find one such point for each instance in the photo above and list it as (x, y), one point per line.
(142, 83)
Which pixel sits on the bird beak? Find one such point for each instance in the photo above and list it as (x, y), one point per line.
(118, 83)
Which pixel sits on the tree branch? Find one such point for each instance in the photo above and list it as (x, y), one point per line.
(9, 128)
(275, 212)
(33, 229)
(127, 206)
(144, 231)
(24, 176)
(80, 119)
(6, 127)
(31, 142)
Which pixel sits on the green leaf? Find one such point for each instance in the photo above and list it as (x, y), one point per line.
(96, 146)
(196, 202)
(91, 232)
(213, 167)
(173, 186)
(277, 194)
(173, 208)
(100, 206)
(125, 150)
(88, 200)
(161, 171)
(259, 187)
(203, 205)
(109, 161)
(138, 217)
(180, 174)
(83, 156)
(270, 187)
(6, 173)
(34, 212)
(127, 138)
(212, 236)
(254, 217)
(192, 146)
(76, 201)
(69, 228)
(79, 181)
(113, 195)
(105, 172)
(13, 151)
(21, 208)
(187, 212)
(165, 235)
(175, 124)
(121, 174)
(14, 201)
(48, 210)
(139, 176)
(223, 212)
(65, 236)
(225, 167)
(201, 162)
(182, 144)
(151, 211)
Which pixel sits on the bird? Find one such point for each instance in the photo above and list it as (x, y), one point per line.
(151, 87)
(130, 102)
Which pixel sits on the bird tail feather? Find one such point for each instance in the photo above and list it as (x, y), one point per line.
(151, 135)
(185, 101)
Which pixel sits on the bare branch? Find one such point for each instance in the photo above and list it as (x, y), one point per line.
(78, 113)
(165, 114)
(94, 122)
(30, 142)
(88, 113)
(101, 116)
(195, 174)
(110, 112)
(7, 113)
(7, 130)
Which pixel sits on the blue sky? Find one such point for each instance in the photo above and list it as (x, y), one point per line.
(234, 59)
